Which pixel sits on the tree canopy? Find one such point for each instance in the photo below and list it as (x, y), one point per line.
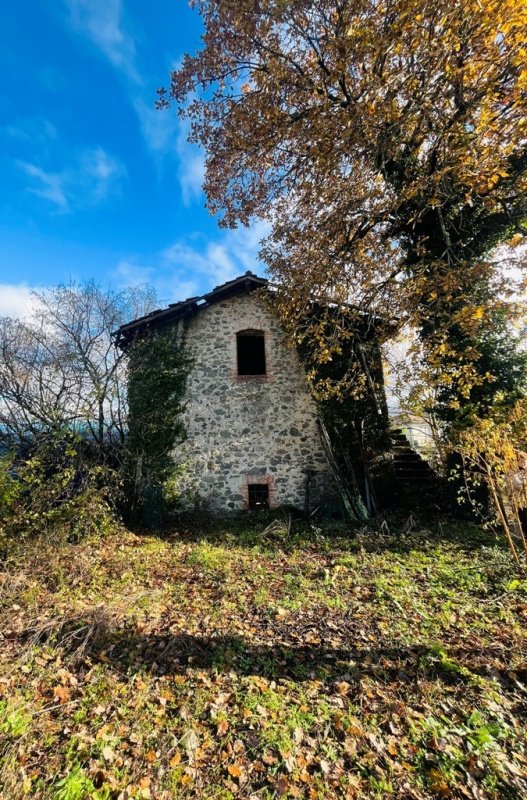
(386, 142)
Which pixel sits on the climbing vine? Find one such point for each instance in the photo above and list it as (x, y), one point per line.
(159, 365)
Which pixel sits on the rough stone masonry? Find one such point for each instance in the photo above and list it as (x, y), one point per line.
(244, 430)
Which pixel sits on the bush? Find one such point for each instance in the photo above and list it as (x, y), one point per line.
(55, 490)
(492, 454)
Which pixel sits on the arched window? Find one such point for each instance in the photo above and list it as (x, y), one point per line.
(250, 349)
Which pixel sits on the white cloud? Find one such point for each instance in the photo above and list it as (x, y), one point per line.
(160, 131)
(220, 260)
(170, 284)
(16, 300)
(191, 166)
(165, 135)
(87, 180)
(33, 129)
(130, 274)
(101, 21)
(196, 264)
(191, 174)
(102, 173)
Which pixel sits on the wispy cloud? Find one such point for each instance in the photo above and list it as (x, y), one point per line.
(101, 21)
(34, 130)
(211, 262)
(194, 265)
(165, 136)
(51, 185)
(129, 274)
(87, 180)
(102, 173)
(191, 164)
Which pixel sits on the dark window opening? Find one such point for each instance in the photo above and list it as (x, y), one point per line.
(258, 496)
(251, 353)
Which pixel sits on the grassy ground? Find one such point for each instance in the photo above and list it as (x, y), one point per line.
(259, 664)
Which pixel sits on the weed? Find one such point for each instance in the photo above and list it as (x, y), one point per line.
(14, 721)
(209, 557)
(77, 786)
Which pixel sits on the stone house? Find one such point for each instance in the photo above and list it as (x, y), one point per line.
(252, 434)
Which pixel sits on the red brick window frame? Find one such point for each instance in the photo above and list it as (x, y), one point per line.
(259, 479)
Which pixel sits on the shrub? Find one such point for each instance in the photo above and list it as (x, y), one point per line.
(55, 490)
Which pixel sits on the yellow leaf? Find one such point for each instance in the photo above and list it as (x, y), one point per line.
(62, 693)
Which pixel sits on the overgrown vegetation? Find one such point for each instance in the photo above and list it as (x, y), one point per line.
(63, 412)
(85, 427)
(158, 369)
(259, 660)
(353, 416)
(57, 489)
(492, 456)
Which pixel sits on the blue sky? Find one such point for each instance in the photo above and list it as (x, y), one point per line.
(94, 182)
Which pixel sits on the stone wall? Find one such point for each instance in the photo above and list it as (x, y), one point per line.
(241, 429)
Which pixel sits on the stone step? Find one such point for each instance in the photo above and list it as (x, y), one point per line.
(407, 455)
(417, 481)
(412, 463)
(412, 466)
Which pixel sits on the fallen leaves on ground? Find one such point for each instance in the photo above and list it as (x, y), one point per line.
(227, 665)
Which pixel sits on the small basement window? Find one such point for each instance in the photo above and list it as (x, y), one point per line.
(258, 496)
(250, 347)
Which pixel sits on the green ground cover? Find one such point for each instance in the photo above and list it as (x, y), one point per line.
(249, 661)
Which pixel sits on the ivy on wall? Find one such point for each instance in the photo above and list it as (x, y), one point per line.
(159, 366)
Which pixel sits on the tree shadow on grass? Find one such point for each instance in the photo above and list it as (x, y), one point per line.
(95, 637)
(298, 663)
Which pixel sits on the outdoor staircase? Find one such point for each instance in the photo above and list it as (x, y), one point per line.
(417, 482)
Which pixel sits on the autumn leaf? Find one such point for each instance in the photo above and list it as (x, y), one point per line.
(438, 783)
(108, 754)
(61, 693)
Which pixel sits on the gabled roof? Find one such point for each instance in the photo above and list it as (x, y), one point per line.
(188, 308)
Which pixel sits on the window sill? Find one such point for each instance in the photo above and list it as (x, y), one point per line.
(251, 378)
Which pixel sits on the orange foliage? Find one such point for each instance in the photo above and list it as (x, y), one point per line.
(385, 140)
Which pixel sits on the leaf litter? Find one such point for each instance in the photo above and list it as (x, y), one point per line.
(315, 664)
